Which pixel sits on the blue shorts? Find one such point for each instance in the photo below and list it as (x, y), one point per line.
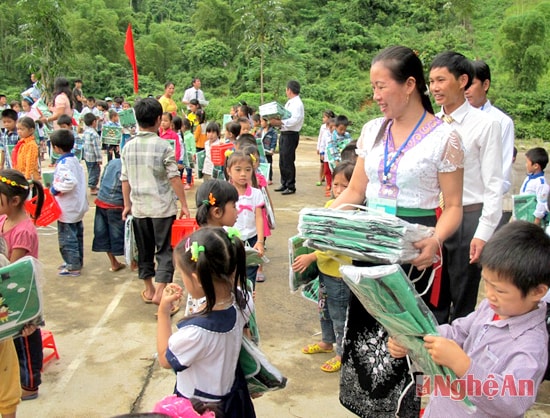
(108, 231)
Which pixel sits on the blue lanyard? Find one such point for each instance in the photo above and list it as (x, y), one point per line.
(532, 177)
(398, 152)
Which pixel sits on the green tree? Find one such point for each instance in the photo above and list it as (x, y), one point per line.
(523, 48)
(46, 37)
(264, 32)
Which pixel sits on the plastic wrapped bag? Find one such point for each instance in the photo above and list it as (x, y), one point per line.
(261, 376)
(20, 296)
(296, 280)
(390, 297)
(367, 235)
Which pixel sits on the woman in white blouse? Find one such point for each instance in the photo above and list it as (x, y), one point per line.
(405, 160)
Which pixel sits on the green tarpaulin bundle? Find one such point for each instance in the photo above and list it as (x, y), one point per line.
(390, 297)
(261, 376)
(366, 235)
(295, 279)
(20, 296)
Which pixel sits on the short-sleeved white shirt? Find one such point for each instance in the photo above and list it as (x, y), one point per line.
(416, 178)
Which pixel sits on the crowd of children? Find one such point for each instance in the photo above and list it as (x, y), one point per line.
(147, 175)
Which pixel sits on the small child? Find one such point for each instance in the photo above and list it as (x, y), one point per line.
(194, 107)
(333, 292)
(340, 138)
(8, 137)
(204, 351)
(216, 203)
(250, 222)
(535, 183)
(260, 184)
(269, 140)
(209, 170)
(91, 152)
(150, 185)
(190, 150)
(108, 223)
(245, 125)
(322, 139)
(232, 131)
(504, 341)
(69, 189)
(256, 126)
(200, 130)
(25, 155)
(65, 122)
(19, 235)
(166, 132)
(113, 151)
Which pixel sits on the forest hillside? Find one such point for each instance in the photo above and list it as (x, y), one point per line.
(247, 50)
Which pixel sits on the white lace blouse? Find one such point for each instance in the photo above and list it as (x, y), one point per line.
(413, 177)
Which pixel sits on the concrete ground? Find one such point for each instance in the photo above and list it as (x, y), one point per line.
(106, 335)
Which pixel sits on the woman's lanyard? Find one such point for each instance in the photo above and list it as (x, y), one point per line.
(387, 165)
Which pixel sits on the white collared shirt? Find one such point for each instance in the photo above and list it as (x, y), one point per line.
(296, 120)
(507, 131)
(482, 164)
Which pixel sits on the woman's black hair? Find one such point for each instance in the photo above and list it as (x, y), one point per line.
(218, 258)
(402, 62)
(61, 85)
(221, 191)
(14, 184)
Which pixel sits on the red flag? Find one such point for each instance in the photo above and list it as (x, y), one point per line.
(131, 53)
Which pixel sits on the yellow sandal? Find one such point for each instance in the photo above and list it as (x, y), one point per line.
(315, 349)
(332, 365)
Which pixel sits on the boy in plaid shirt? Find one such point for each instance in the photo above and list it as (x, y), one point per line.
(91, 152)
(150, 184)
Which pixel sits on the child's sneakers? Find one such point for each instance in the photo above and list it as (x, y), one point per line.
(68, 273)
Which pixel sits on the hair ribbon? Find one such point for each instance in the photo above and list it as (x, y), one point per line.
(233, 232)
(13, 183)
(253, 158)
(211, 201)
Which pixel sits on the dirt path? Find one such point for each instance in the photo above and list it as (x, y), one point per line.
(106, 334)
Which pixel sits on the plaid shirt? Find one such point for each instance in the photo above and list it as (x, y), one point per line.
(8, 138)
(91, 151)
(148, 165)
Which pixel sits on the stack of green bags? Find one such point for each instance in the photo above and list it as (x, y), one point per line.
(367, 235)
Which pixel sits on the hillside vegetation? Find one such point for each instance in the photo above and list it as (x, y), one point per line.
(238, 46)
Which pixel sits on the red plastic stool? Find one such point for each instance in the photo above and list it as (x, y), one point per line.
(48, 342)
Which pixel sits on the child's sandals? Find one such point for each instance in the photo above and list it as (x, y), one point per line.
(315, 349)
(332, 365)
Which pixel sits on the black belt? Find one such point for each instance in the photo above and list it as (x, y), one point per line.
(474, 207)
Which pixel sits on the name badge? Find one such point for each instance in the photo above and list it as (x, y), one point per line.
(386, 205)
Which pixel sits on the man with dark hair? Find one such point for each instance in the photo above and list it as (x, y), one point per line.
(150, 178)
(477, 96)
(290, 136)
(450, 75)
(193, 92)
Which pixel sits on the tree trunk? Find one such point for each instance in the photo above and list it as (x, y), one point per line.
(262, 77)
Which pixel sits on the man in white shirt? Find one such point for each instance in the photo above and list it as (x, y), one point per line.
(477, 96)
(193, 92)
(451, 74)
(290, 136)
